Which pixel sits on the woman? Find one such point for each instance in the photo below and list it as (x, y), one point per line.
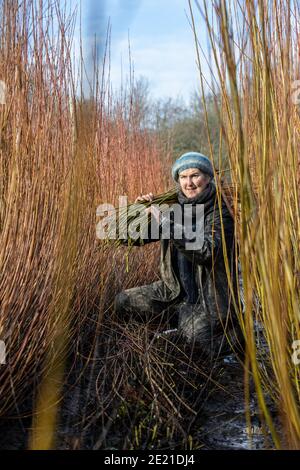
(194, 284)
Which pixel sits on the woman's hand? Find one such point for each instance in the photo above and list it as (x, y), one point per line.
(144, 198)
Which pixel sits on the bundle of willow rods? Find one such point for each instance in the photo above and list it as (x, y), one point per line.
(125, 215)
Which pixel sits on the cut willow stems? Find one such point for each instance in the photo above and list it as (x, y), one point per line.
(124, 216)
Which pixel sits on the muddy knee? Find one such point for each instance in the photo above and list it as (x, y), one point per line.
(121, 302)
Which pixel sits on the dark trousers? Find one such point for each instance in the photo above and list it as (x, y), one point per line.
(195, 325)
(141, 304)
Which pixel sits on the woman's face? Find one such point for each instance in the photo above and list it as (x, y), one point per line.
(193, 181)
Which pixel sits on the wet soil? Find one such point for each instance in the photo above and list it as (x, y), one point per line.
(126, 419)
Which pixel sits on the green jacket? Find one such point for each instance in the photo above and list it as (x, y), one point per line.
(215, 297)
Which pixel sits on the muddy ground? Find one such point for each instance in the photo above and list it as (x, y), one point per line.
(127, 418)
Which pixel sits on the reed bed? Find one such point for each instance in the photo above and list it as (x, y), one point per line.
(60, 157)
(254, 47)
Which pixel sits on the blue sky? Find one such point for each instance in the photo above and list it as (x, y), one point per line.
(161, 40)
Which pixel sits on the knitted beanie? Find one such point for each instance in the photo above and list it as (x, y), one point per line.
(192, 160)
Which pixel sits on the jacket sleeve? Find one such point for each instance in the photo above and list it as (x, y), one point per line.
(212, 244)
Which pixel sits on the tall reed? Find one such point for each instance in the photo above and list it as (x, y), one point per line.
(60, 157)
(255, 48)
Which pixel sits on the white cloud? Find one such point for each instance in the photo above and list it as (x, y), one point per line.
(162, 45)
(168, 63)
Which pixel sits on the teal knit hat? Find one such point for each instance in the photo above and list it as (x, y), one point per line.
(192, 160)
